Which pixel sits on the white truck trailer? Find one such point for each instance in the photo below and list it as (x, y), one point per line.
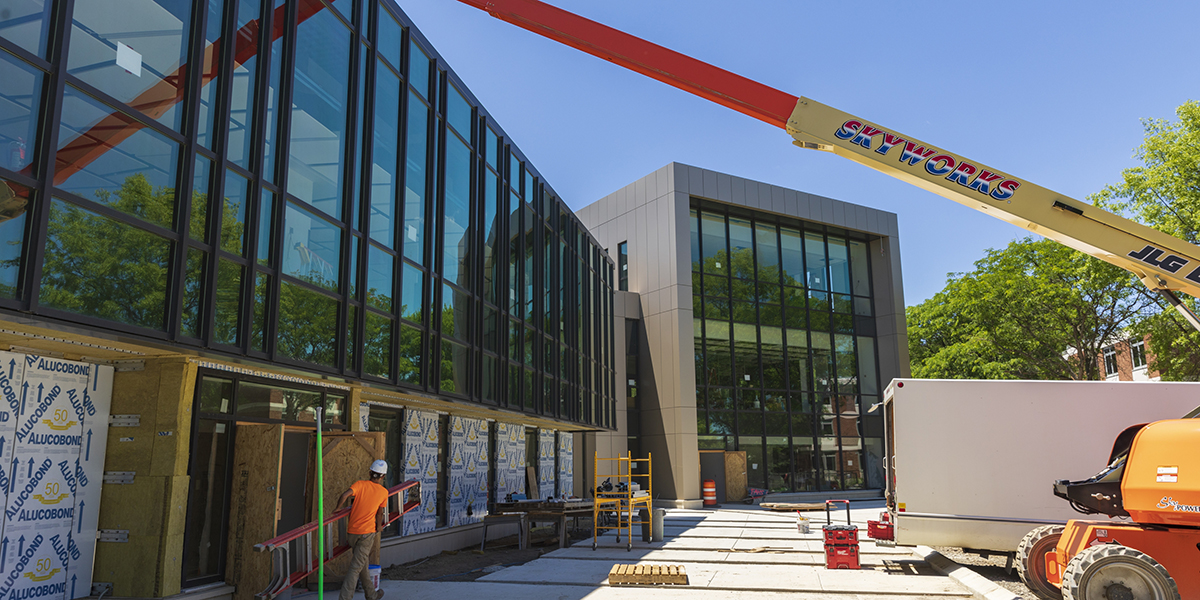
(971, 464)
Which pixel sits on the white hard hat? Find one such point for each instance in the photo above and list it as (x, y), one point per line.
(379, 466)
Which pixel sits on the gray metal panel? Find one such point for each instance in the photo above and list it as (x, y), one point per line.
(683, 240)
(860, 217)
(803, 205)
(724, 187)
(752, 194)
(872, 221)
(738, 187)
(661, 249)
(791, 201)
(764, 196)
(776, 202)
(679, 177)
(695, 181)
(710, 184)
(839, 213)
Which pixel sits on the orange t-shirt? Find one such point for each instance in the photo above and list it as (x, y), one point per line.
(368, 497)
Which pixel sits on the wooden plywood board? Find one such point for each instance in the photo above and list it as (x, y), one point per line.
(346, 458)
(647, 575)
(735, 476)
(793, 506)
(254, 506)
(532, 490)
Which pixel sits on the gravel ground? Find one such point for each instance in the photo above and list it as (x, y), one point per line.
(991, 568)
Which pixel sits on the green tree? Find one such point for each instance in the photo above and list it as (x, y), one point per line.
(1164, 193)
(1033, 310)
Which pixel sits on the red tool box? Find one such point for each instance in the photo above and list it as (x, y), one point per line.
(881, 529)
(841, 541)
(841, 557)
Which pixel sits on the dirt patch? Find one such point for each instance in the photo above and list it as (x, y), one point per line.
(469, 563)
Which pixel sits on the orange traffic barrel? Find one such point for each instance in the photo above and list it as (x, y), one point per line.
(710, 492)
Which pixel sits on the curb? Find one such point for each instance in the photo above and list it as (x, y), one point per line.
(980, 587)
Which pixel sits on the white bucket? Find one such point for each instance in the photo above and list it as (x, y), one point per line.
(374, 571)
(801, 524)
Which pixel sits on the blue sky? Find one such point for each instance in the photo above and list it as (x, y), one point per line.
(1052, 92)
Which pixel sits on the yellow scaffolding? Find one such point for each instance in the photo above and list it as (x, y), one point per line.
(622, 500)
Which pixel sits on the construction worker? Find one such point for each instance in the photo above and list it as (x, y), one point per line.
(365, 523)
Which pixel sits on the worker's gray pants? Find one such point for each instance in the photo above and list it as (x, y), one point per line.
(361, 546)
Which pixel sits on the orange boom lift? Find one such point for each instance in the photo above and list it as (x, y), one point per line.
(1153, 476)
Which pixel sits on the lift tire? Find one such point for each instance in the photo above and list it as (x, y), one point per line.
(1031, 560)
(1091, 573)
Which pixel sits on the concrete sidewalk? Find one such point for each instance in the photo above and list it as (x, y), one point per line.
(732, 552)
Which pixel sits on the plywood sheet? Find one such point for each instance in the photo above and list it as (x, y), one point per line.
(735, 476)
(253, 511)
(346, 458)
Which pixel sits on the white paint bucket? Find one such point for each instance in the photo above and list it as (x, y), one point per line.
(374, 571)
(801, 524)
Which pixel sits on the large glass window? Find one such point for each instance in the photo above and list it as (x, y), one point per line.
(377, 348)
(142, 60)
(456, 243)
(380, 266)
(193, 293)
(416, 154)
(623, 266)
(270, 135)
(107, 157)
(100, 267)
(228, 302)
(307, 322)
(458, 113)
(310, 248)
(762, 342)
(418, 69)
(412, 305)
(19, 103)
(15, 200)
(243, 89)
(389, 36)
(383, 156)
(233, 216)
(25, 23)
(209, 79)
(317, 148)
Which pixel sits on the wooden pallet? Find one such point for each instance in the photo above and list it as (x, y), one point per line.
(647, 575)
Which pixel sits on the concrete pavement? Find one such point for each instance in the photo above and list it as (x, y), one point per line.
(739, 552)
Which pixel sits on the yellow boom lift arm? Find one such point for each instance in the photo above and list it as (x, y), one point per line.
(1162, 262)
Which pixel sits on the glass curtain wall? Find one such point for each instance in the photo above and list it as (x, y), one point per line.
(304, 183)
(784, 350)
